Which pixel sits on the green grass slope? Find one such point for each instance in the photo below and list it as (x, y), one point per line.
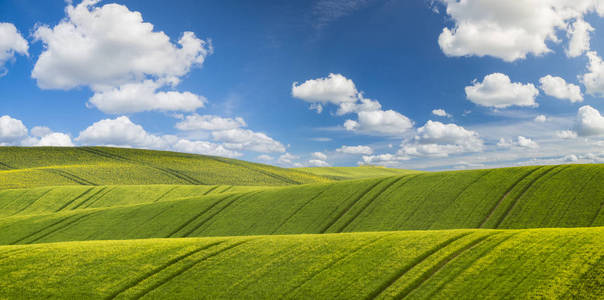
(455, 264)
(509, 198)
(343, 173)
(45, 166)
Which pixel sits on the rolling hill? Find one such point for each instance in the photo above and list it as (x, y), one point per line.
(44, 166)
(454, 264)
(344, 173)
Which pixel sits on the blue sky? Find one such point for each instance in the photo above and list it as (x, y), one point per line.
(244, 79)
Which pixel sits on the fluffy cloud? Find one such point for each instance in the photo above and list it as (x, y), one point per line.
(120, 132)
(558, 88)
(287, 159)
(11, 42)
(593, 80)
(334, 88)
(388, 160)
(441, 113)
(521, 141)
(143, 96)
(566, 134)
(119, 56)
(589, 121)
(204, 147)
(265, 157)
(511, 30)
(540, 119)
(497, 90)
(245, 139)
(209, 122)
(319, 155)
(380, 122)
(355, 150)
(357, 107)
(11, 129)
(436, 139)
(56, 139)
(318, 163)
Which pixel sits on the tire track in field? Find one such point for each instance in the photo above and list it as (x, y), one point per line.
(5, 166)
(568, 203)
(70, 176)
(422, 257)
(228, 188)
(32, 203)
(267, 173)
(63, 226)
(505, 195)
(210, 190)
(524, 190)
(364, 207)
(299, 209)
(485, 173)
(74, 199)
(441, 264)
(43, 229)
(198, 215)
(597, 214)
(332, 263)
(164, 194)
(466, 267)
(155, 271)
(106, 190)
(237, 197)
(352, 203)
(188, 267)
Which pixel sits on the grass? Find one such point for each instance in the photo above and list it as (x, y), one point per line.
(345, 173)
(22, 167)
(452, 264)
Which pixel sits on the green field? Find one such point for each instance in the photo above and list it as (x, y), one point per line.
(126, 223)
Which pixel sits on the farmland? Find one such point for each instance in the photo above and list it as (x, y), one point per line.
(127, 223)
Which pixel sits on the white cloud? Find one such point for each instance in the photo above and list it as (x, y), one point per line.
(356, 107)
(143, 96)
(120, 132)
(11, 129)
(204, 147)
(521, 141)
(380, 122)
(387, 159)
(245, 139)
(558, 88)
(355, 150)
(511, 30)
(540, 119)
(497, 90)
(114, 52)
(319, 155)
(578, 33)
(265, 158)
(594, 79)
(318, 163)
(209, 122)
(334, 88)
(566, 134)
(589, 122)
(287, 159)
(436, 139)
(40, 131)
(441, 113)
(11, 42)
(56, 139)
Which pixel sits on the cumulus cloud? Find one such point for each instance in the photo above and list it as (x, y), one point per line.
(335, 88)
(540, 119)
(566, 134)
(318, 163)
(593, 80)
(287, 159)
(436, 139)
(11, 42)
(380, 122)
(245, 139)
(355, 150)
(511, 30)
(209, 122)
(521, 141)
(589, 122)
(441, 113)
(558, 88)
(497, 90)
(388, 159)
(56, 139)
(120, 57)
(319, 155)
(204, 147)
(11, 129)
(122, 132)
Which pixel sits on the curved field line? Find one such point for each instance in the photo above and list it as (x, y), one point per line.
(228, 188)
(203, 222)
(38, 231)
(164, 194)
(73, 200)
(70, 176)
(32, 203)
(106, 190)
(5, 166)
(384, 189)
(267, 173)
(201, 213)
(155, 271)
(434, 269)
(299, 209)
(524, 190)
(466, 267)
(505, 195)
(90, 197)
(60, 228)
(591, 224)
(352, 203)
(485, 173)
(401, 272)
(332, 263)
(210, 190)
(186, 268)
(565, 211)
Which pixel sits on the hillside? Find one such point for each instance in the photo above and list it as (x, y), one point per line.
(344, 173)
(45, 166)
(507, 198)
(457, 264)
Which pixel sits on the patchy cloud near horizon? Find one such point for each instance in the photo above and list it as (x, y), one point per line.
(502, 83)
